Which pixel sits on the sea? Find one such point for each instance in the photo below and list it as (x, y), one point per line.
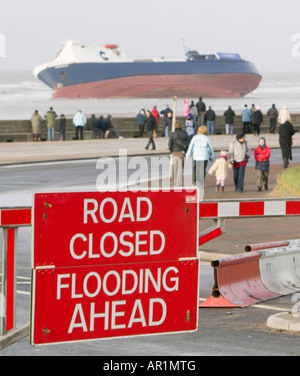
(21, 94)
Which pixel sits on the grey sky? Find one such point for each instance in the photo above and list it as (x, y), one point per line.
(260, 30)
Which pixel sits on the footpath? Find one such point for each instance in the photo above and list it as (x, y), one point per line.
(45, 151)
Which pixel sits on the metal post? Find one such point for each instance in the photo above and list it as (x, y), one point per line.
(174, 113)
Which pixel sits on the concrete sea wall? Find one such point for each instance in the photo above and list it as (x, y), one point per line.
(21, 130)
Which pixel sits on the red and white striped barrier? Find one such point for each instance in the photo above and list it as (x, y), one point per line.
(221, 210)
(250, 278)
(249, 208)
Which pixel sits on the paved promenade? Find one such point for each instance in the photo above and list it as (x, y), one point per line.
(25, 152)
(30, 152)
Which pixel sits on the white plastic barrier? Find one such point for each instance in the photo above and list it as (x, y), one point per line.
(280, 268)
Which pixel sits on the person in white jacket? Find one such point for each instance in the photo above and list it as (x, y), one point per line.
(79, 121)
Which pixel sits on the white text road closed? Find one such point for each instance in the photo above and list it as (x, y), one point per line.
(92, 228)
(74, 304)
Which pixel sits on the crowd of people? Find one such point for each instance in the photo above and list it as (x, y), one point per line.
(198, 113)
(192, 141)
(101, 127)
(200, 149)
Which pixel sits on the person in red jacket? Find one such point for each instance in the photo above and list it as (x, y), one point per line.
(262, 163)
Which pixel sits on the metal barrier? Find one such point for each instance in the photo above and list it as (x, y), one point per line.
(10, 220)
(256, 276)
(249, 278)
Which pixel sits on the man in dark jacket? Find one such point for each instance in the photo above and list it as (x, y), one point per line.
(229, 120)
(151, 126)
(273, 114)
(166, 113)
(178, 145)
(201, 107)
(257, 120)
(209, 120)
(286, 131)
(102, 127)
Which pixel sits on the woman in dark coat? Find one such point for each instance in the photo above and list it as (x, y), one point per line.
(286, 131)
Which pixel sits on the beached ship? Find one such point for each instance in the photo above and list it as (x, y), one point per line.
(79, 71)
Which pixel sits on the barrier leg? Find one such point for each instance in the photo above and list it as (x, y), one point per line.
(212, 232)
(9, 279)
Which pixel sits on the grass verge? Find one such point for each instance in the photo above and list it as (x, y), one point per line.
(288, 183)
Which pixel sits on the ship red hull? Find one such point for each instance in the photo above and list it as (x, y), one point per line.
(163, 86)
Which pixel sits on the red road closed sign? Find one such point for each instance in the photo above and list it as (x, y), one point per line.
(114, 264)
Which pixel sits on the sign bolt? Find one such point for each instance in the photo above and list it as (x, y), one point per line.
(47, 205)
(188, 315)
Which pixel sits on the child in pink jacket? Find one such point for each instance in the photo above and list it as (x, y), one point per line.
(220, 169)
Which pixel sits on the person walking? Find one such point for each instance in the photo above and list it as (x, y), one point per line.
(50, 117)
(220, 169)
(150, 124)
(273, 114)
(257, 120)
(246, 119)
(200, 149)
(79, 121)
(62, 127)
(238, 155)
(141, 116)
(286, 131)
(209, 119)
(36, 123)
(262, 164)
(229, 120)
(178, 144)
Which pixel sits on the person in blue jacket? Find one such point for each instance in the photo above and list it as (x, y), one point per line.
(246, 119)
(102, 127)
